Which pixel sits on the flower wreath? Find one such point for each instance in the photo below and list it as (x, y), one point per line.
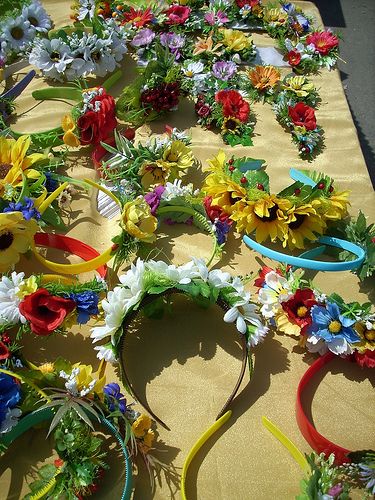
(144, 286)
(299, 212)
(20, 27)
(73, 398)
(76, 51)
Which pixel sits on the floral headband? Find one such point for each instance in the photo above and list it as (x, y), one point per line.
(146, 282)
(73, 398)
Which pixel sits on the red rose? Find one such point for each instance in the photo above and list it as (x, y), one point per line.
(202, 110)
(96, 126)
(323, 41)
(178, 14)
(303, 116)
(4, 351)
(298, 308)
(233, 104)
(45, 312)
(365, 359)
(294, 58)
(215, 212)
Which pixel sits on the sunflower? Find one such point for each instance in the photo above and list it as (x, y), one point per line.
(231, 125)
(178, 157)
(16, 234)
(264, 77)
(303, 223)
(224, 192)
(333, 208)
(275, 16)
(267, 216)
(217, 163)
(366, 331)
(14, 162)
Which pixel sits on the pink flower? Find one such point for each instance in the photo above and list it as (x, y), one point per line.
(219, 19)
(323, 41)
(178, 14)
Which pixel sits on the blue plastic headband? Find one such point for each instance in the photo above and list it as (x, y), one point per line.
(304, 260)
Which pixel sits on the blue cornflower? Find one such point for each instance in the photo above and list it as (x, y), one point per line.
(10, 394)
(329, 325)
(114, 398)
(222, 228)
(26, 207)
(87, 305)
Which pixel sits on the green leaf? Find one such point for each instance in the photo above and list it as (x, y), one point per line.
(52, 218)
(155, 309)
(47, 472)
(245, 164)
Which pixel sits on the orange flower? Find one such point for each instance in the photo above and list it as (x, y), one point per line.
(206, 45)
(264, 77)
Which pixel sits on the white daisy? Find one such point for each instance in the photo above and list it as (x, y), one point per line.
(240, 312)
(37, 17)
(106, 352)
(277, 289)
(18, 32)
(133, 279)
(258, 333)
(193, 69)
(51, 56)
(9, 301)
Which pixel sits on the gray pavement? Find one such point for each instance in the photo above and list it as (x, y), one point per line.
(355, 20)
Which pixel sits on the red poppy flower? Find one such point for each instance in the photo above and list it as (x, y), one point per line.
(178, 14)
(215, 212)
(366, 359)
(44, 311)
(294, 58)
(138, 18)
(4, 351)
(302, 115)
(96, 126)
(259, 282)
(250, 3)
(233, 104)
(298, 308)
(323, 41)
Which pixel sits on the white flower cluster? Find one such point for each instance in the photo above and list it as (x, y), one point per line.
(17, 34)
(175, 189)
(71, 383)
(277, 289)
(88, 96)
(80, 54)
(9, 299)
(124, 297)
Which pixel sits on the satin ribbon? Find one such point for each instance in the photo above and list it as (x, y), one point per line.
(318, 442)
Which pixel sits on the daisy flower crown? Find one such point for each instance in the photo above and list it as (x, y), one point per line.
(144, 286)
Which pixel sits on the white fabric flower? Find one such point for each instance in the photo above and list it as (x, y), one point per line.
(277, 289)
(219, 278)
(106, 352)
(18, 32)
(258, 335)
(175, 189)
(37, 17)
(86, 9)
(9, 301)
(241, 312)
(193, 69)
(338, 346)
(51, 56)
(10, 420)
(178, 274)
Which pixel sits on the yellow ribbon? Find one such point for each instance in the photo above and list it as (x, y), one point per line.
(198, 445)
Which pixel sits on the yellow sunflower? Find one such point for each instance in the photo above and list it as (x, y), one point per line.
(14, 162)
(16, 234)
(333, 208)
(303, 223)
(367, 333)
(266, 216)
(231, 125)
(298, 85)
(217, 162)
(225, 193)
(264, 77)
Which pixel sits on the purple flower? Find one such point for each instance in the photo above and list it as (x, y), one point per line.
(113, 397)
(143, 37)
(153, 198)
(335, 490)
(222, 228)
(219, 19)
(171, 40)
(27, 208)
(224, 70)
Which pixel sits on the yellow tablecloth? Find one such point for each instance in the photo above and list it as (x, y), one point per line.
(187, 364)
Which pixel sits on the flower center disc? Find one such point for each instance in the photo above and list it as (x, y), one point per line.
(32, 20)
(6, 240)
(272, 214)
(298, 222)
(4, 169)
(17, 33)
(334, 326)
(301, 311)
(55, 56)
(370, 335)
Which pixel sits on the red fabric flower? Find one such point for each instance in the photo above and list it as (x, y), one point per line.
(294, 58)
(44, 311)
(59, 462)
(259, 282)
(4, 351)
(215, 212)
(96, 126)
(250, 3)
(233, 104)
(298, 308)
(323, 41)
(365, 359)
(138, 18)
(178, 14)
(303, 115)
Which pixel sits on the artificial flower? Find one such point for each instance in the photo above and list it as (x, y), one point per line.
(10, 395)
(18, 32)
(10, 299)
(26, 207)
(367, 474)
(178, 14)
(143, 37)
(16, 235)
(231, 125)
(153, 198)
(260, 281)
(141, 426)
(365, 359)
(331, 330)
(138, 221)
(215, 212)
(224, 70)
(153, 174)
(86, 9)
(264, 77)
(276, 290)
(174, 42)
(138, 18)
(302, 115)
(115, 400)
(178, 157)
(148, 439)
(322, 41)
(86, 304)
(242, 312)
(164, 97)
(224, 192)
(235, 40)
(106, 353)
(366, 332)
(45, 312)
(295, 317)
(234, 106)
(266, 216)
(14, 161)
(203, 45)
(303, 223)
(275, 17)
(216, 18)
(294, 57)
(37, 17)
(334, 207)
(96, 124)
(298, 85)
(51, 56)
(64, 199)
(4, 351)
(68, 125)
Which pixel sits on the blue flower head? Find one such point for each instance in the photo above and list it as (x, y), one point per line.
(329, 324)
(87, 305)
(114, 398)
(10, 394)
(302, 21)
(289, 8)
(27, 208)
(51, 183)
(221, 231)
